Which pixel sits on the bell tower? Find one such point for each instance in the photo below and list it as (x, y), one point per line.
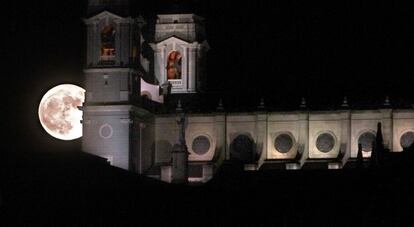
(180, 48)
(111, 112)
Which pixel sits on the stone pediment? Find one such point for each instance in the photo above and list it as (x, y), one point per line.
(173, 39)
(177, 40)
(105, 15)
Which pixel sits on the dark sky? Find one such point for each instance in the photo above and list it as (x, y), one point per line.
(279, 50)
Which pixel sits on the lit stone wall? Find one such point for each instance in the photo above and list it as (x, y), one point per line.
(243, 124)
(166, 135)
(403, 122)
(283, 126)
(363, 122)
(208, 130)
(185, 26)
(185, 34)
(279, 135)
(143, 133)
(325, 125)
(108, 85)
(106, 133)
(123, 27)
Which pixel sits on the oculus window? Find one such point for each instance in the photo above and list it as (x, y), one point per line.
(283, 143)
(201, 145)
(325, 142)
(407, 139)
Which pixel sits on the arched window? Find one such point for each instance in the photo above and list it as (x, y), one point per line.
(108, 42)
(366, 139)
(242, 149)
(174, 65)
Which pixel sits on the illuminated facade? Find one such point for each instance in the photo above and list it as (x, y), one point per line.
(179, 51)
(117, 126)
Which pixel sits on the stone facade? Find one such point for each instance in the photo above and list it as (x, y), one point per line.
(345, 128)
(185, 35)
(117, 127)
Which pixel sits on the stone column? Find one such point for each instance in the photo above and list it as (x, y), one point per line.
(125, 43)
(179, 164)
(261, 141)
(345, 135)
(387, 127)
(303, 140)
(96, 45)
(118, 51)
(220, 134)
(180, 155)
(192, 69)
(89, 44)
(158, 63)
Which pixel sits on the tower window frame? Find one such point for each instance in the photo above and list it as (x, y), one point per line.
(174, 67)
(107, 45)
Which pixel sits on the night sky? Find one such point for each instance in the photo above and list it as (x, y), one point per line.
(277, 50)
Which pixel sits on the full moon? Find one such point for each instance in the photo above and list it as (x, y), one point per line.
(58, 112)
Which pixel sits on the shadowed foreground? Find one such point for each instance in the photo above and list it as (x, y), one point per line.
(75, 188)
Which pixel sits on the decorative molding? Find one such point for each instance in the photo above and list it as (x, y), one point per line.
(172, 39)
(108, 70)
(126, 121)
(104, 15)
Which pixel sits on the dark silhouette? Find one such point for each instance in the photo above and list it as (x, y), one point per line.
(242, 149)
(378, 150)
(360, 158)
(298, 155)
(374, 156)
(379, 145)
(410, 148)
(341, 155)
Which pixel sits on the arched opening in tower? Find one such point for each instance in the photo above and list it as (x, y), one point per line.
(174, 65)
(108, 42)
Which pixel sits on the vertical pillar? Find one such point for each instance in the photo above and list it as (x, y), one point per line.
(387, 127)
(261, 140)
(117, 44)
(180, 155)
(345, 135)
(303, 140)
(158, 65)
(192, 70)
(179, 164)
(89, 44)
(96, 46)
(220, 134)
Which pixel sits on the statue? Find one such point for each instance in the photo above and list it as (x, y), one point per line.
(180, 152)
(181, 134)
(181, 121)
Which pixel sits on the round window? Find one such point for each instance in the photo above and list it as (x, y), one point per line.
(407, 139)
(201, 145)
(106, 131)
(325, 142)
(283, 143)
(366, 140)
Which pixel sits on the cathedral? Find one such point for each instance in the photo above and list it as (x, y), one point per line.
(129, 71)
